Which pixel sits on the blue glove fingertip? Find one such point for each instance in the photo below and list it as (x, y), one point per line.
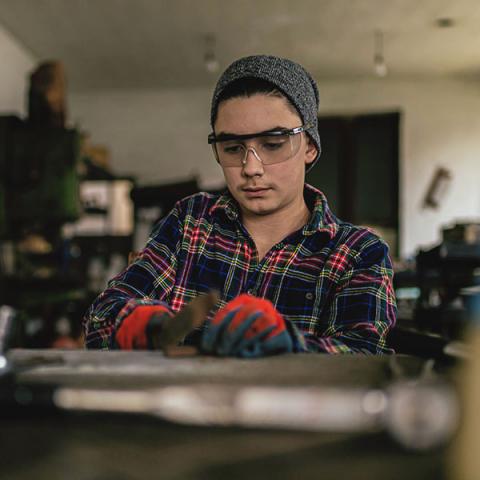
(229, 339)
(213, 332)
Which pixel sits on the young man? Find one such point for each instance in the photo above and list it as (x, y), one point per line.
(291, 276)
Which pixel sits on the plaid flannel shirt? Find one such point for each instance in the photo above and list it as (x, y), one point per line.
(331, 281)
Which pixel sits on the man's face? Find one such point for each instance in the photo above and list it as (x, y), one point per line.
(264, 189)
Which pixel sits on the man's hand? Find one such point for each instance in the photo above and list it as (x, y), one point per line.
(137, 328)
(247, 327)
(156, 327)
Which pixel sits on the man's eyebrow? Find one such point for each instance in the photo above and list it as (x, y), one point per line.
(278, 127)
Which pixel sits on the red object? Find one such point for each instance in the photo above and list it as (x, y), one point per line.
(248, 305)
(132, 332)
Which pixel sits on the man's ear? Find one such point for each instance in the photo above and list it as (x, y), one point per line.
(311, 152)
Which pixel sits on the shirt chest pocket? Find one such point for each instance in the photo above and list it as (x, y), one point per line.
(302, 299)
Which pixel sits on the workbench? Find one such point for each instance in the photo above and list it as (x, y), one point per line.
(58, 444)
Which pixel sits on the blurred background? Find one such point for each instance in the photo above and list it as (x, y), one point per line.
(104, 116)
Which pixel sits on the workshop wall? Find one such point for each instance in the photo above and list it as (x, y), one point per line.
(16, 63)
(160, 136)
(440, 125)
(157, 136)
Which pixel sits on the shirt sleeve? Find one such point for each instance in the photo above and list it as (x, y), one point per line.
(149, 280)
(362, 309)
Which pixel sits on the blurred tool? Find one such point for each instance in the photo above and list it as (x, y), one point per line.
(438, 188)
(417, 415)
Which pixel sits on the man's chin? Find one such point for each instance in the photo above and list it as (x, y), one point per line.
(258, 209)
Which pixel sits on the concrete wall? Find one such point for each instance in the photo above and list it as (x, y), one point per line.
(16, 63)
(160, 136)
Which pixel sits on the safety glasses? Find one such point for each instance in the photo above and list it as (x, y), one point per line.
(269, 147)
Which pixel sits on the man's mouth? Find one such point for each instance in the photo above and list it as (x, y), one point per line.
(255, 191)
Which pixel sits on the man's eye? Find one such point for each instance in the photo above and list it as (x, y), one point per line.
(232, 149)
(275, 145)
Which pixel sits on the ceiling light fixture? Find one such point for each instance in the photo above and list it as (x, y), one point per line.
(379, 65)
(210, 60)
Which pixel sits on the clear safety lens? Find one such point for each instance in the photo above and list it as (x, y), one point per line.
(268, 150)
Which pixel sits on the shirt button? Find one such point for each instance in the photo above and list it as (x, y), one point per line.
(309, 296)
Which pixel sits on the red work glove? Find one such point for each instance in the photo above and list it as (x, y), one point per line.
(247, 327)
(133, 333)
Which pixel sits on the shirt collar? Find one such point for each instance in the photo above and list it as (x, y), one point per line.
(227, 204)
(322, 219)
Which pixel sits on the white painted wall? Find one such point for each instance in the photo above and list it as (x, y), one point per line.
(160, 136)
(15, 63)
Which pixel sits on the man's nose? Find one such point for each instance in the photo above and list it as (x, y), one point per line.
(252, 164)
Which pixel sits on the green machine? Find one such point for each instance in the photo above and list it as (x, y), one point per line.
(39, 193)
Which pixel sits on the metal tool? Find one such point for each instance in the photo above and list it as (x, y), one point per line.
(168, 332)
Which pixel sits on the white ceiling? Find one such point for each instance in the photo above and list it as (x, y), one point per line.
(159, 43)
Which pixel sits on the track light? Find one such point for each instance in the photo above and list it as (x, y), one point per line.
(379, 66)
(210, 59)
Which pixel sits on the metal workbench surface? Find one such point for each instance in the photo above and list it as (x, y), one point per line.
(147, 369)
(51, 444)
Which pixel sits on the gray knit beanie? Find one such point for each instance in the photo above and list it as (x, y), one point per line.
(289, 77)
